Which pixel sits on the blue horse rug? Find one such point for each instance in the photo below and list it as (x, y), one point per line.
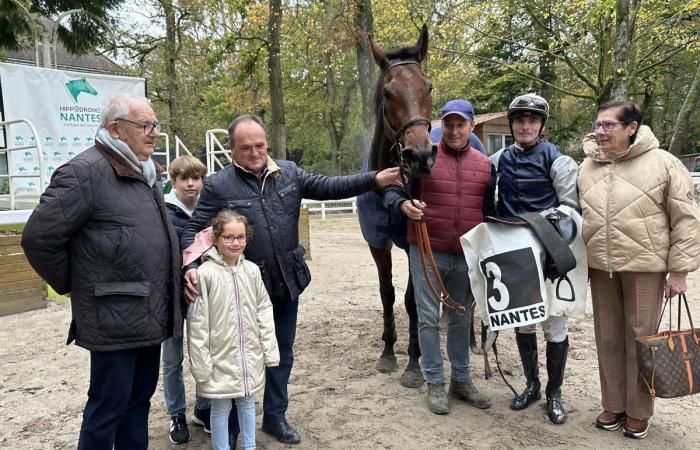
(380, 227)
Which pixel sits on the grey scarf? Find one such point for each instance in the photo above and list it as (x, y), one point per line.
(147, 168)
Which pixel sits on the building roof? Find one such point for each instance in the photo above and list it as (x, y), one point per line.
(481, 118)
(91, 63)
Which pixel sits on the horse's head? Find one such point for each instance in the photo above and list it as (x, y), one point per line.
(403, 107)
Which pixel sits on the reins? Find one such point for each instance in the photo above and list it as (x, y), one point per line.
(396, 152)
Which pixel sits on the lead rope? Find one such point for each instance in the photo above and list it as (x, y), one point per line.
(421, 229)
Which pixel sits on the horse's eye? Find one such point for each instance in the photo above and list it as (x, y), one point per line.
(430, 87)
(387, 94)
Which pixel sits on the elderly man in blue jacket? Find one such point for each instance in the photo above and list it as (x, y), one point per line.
(269, 193)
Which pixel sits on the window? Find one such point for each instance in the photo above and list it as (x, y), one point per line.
(497, 142)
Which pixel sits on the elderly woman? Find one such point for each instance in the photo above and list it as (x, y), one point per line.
(641, 229)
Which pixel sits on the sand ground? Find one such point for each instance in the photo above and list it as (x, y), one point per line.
(338, 399)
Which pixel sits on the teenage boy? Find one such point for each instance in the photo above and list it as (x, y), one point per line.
(533, 176)
(186, 177)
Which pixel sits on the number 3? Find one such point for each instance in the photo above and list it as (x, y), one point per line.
(496, 292)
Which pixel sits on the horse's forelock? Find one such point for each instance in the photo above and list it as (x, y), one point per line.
(391, 56)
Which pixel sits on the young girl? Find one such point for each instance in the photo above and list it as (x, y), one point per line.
(230, 329)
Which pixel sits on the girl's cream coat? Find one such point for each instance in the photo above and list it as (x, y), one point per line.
(638, 209)
(230, 329)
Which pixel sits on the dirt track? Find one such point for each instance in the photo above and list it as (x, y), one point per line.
(338, 400)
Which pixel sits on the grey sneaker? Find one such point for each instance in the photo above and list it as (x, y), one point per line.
(437, 399)
(465, 390)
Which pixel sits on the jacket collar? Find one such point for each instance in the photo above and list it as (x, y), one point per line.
(445, 149)
(271, 168)
(643, 142)
(121, 167)
(213, 255)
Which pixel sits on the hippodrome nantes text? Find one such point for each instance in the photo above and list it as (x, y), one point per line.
(80, 114)
(524, 315)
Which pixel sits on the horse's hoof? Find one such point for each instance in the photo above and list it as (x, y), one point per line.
(412, 379)
(387, 364)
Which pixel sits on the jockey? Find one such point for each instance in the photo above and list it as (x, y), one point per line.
(533, 176)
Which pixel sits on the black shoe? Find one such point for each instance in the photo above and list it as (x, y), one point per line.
(527, 346)
(283, 432)
(179, 433)
(201, 417)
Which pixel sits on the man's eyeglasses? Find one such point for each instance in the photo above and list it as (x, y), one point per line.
(229, 239)
(607, 125)
(146, 127)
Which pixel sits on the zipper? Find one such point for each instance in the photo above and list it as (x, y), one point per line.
(241, 340)
(611, 168)
(459, 189)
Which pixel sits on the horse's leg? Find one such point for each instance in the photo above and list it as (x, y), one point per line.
(382, 259)
(412, 377)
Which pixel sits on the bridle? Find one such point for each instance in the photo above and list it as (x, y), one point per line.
(421, 228)
(396, 150)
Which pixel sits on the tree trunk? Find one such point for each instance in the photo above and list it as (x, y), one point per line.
(364, 21)
(278, 136)
(679, 130)
(171, 52)
(623, 53)
(329, 82)
(547, 69)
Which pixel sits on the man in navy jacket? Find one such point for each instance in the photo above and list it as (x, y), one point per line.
(269, 193)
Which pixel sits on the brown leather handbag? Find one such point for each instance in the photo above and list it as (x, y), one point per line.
(669, 361)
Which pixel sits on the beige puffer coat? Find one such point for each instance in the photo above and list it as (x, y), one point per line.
(638, 209)
(230, 329)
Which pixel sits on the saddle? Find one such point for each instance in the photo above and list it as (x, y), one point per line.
(555, 231)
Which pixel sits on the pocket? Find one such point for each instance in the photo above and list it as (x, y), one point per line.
(122, 308)
(243, 207)
(301, 270)
(290, 199)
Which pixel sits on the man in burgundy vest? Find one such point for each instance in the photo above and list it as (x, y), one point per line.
(452, 200)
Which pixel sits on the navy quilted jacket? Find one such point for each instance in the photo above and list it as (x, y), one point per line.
(101, 233)
(272, 206)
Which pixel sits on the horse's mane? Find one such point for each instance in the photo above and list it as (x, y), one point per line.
(393, 55)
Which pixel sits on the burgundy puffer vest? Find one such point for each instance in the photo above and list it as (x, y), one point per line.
(454, 195)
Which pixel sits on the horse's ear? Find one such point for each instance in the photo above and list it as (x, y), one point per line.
(378, 53)
(422, 44)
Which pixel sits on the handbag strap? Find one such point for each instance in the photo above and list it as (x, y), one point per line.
(696, 338)
(684, 300)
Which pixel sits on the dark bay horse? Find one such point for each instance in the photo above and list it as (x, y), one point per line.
(401, 137)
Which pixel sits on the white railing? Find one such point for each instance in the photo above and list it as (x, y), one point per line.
(215, 148)
(9, 150)
(330, 206)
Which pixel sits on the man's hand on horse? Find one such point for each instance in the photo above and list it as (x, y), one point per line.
(392, 175)
(413, 209)
(191, 289)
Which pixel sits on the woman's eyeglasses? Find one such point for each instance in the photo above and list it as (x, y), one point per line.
(607, 125)
(229, 239)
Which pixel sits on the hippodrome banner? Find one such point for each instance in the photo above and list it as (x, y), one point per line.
(64, 106)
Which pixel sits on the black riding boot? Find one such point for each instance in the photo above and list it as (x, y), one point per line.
(527, 345)
(556, 363)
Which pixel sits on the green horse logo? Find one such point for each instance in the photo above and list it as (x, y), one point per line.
(77, 87)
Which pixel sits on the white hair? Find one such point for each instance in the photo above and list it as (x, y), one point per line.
(118, 107)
